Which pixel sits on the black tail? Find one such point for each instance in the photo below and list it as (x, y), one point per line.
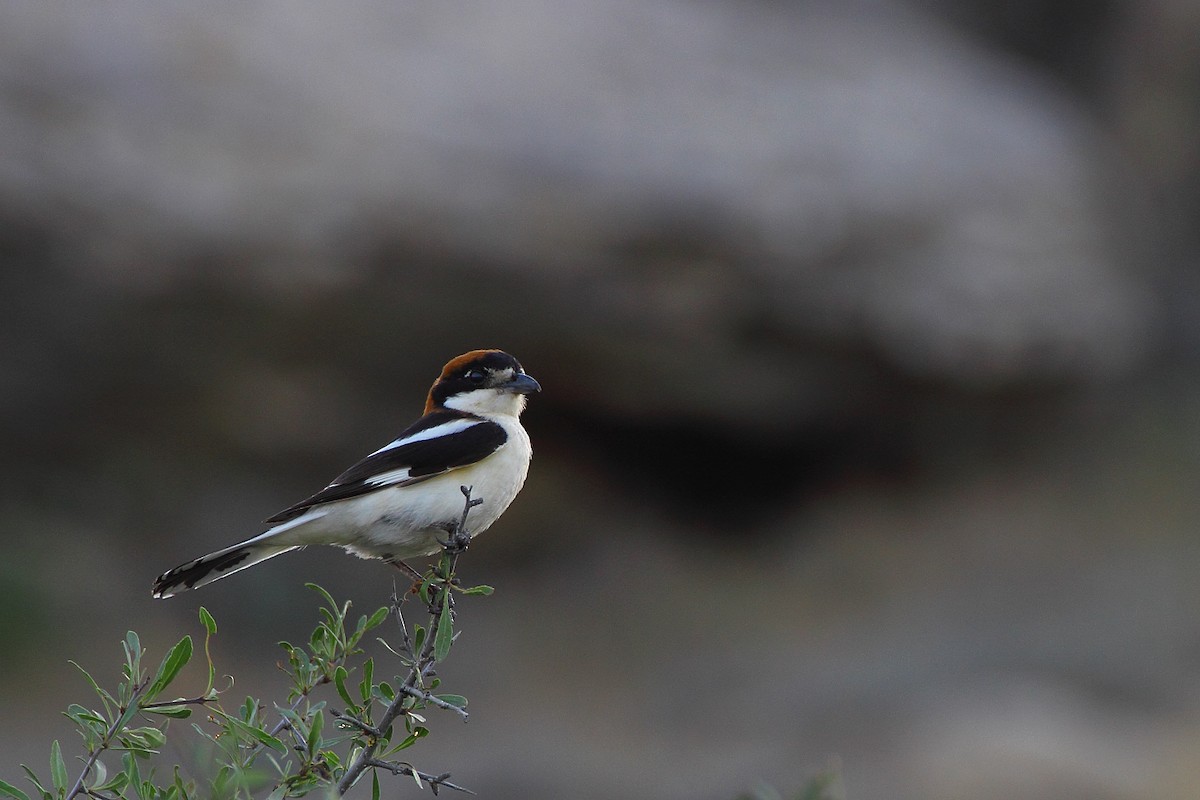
(214, 566)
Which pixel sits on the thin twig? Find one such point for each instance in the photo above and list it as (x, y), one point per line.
(356, 722)
(422, 662)
(194, 701)
(434, 700)
(434, 781)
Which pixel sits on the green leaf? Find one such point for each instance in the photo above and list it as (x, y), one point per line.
(320, 636)
(175, 660)
(99, 773)
(206, 619)
(174, 712)
(133, 645)
(368, 678)
(408, 741)
(260, 735)
(265, 738)
(58, 768)
(377, 619)
(453, 699)
(314, 733)
(339, 681)
(105, 697)
(374, 785)
(481, 589)
(133, 776)
(444, 635)
(33, 778)
(115, 785)
(148, 739)
(210, 628)
(249, 709)
(321, 591)
(83, 716)
(181, 789)
(8, 790)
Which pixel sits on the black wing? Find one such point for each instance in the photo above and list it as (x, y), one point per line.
(420, 453)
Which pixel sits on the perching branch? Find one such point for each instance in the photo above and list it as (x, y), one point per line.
(437, 588)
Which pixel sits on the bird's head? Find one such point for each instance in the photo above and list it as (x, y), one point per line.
(483, 382)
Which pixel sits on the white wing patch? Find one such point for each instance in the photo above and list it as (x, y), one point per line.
(385, 478)
(445, 429)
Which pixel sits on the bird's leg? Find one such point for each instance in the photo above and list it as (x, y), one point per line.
(417, 577)
(403, 567)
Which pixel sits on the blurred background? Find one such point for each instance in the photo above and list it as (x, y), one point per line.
(868, 333)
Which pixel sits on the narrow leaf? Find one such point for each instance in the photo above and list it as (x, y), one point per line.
(175, 660)
(83, 716)
(321, 591)
(419, 732)
(58, 768)
(368, 679)
(105, 697)
(314, 733)
(374, 785)
(33, 778)
(376, 619)
(482, 589)
(210, 628)
(261, 735)
(445, 631)
(8, 790)
(339, 681)
(174, 712)
(265, 738)
(118, 782)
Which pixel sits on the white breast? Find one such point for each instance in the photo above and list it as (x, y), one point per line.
(408, 521)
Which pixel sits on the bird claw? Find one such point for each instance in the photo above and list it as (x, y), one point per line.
(459, 536)
(457, 541)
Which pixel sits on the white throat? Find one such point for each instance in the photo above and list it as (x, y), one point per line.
(488, 403)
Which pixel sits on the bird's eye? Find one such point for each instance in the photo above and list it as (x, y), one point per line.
(475, 376)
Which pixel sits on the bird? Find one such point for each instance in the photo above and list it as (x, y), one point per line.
(404, 500)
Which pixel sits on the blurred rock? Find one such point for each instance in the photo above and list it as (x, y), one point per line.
(677, 191)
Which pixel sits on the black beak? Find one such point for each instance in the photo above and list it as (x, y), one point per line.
(521, 384)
